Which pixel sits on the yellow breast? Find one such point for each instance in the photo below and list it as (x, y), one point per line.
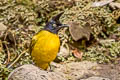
(45, 46)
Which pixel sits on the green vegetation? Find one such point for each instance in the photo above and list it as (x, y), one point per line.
(24, 18)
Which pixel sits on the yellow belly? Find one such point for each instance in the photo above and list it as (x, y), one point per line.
(45, 48)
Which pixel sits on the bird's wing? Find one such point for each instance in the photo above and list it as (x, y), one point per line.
(32, 44)
(33, 41)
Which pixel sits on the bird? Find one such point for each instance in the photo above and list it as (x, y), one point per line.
(46, 43)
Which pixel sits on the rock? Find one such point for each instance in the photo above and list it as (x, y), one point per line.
(96, 78)
(114, 5)
(77, 70)
(101, 3)
(86, 70)
(31, 72)
(63, 52)
(2, 27)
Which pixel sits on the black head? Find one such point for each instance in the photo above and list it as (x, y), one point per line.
(54, 25)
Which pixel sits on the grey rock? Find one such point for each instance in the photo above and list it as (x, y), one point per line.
(95, 78)
(2, 27)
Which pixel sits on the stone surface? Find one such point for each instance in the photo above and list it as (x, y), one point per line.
(96, 78)
(84, 70)
(2, 27)
(31, 72)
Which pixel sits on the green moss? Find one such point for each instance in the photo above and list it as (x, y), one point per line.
(19, 15)
(107, 51)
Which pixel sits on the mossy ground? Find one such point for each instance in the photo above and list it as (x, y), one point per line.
(24, 18)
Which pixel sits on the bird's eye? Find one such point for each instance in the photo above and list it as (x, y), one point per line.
(54, 25)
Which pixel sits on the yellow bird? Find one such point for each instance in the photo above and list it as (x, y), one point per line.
(46, 43)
